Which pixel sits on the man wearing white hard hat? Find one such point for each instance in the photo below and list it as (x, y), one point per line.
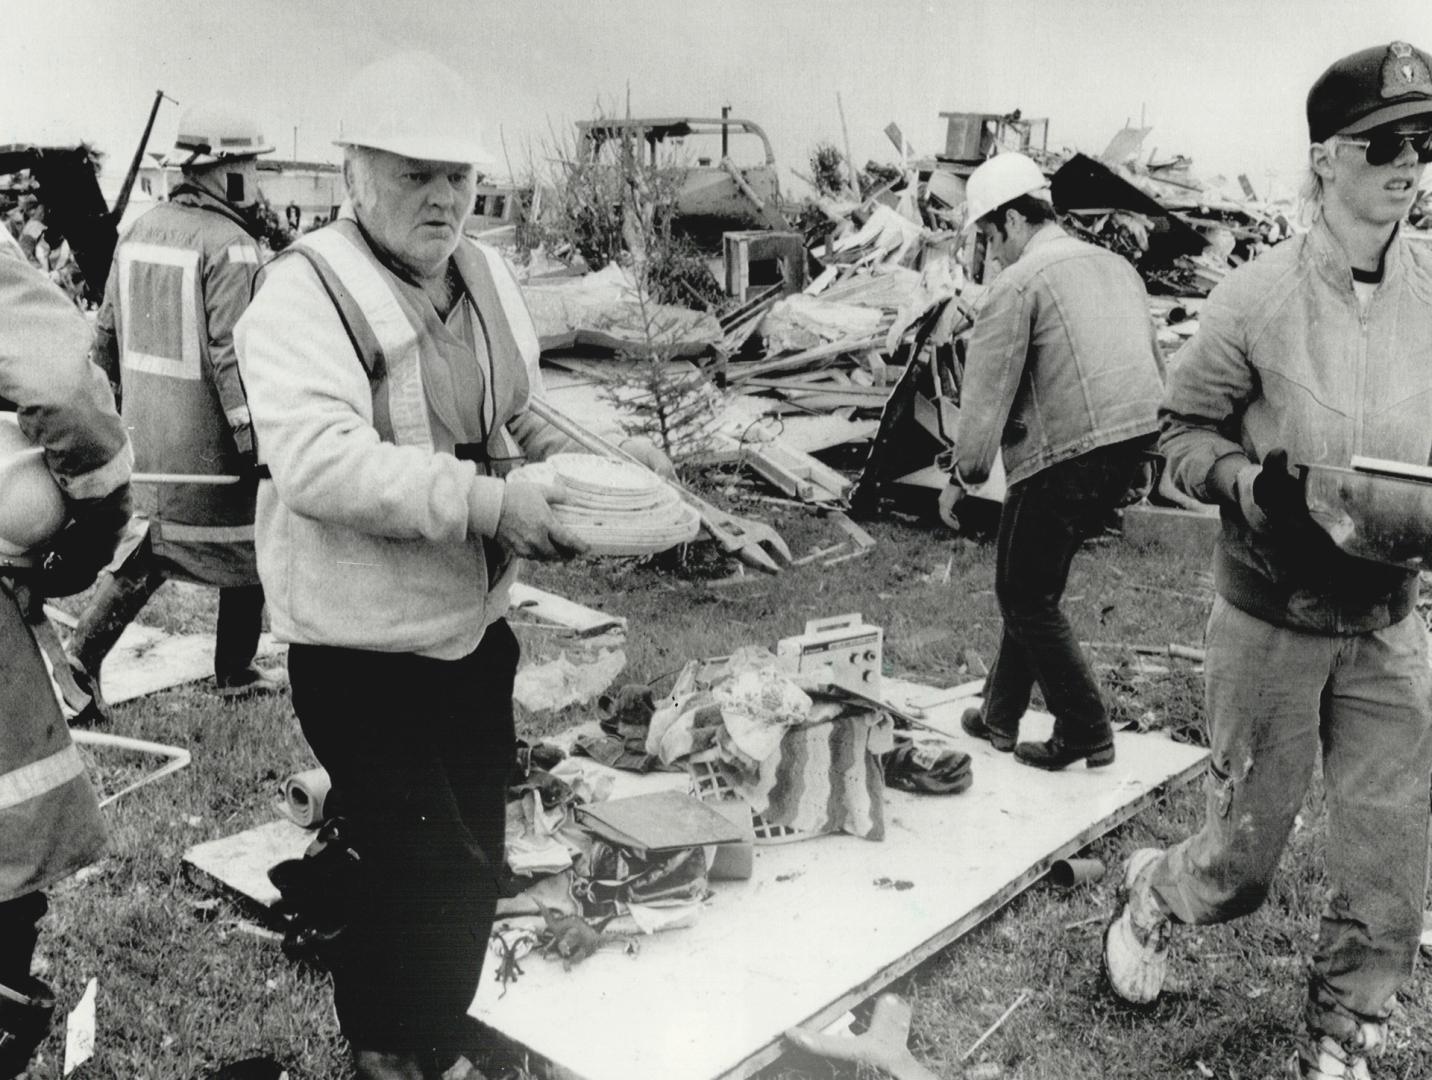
(389, 363)
(64, 503)
(1063, 377)
(182, 276)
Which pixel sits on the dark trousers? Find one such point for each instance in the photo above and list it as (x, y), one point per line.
(419, 750)
(18, 933)
(1044, 521)
(122, 595)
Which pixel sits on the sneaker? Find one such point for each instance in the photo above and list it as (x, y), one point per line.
(973, 724)
(1136, 942)
(1328, 1059)
(251, 681)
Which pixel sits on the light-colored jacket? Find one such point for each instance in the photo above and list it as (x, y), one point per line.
(373, 534)
(1062, 360)
(50, 824)
(1286, 357)
(182, 276)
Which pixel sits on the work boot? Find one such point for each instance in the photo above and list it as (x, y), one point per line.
(1056, 753)
(115, 603)
(1136, 942)
(26, 1009)
(973, 724)
(97, 711)
(250, 681)
(1321, 1057)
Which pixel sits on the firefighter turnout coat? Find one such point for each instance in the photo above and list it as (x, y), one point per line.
(49, 819)
(182, 276)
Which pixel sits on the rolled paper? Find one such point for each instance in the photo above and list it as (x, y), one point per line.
(304, 796)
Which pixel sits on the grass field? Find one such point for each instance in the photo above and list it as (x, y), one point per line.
(188, 980)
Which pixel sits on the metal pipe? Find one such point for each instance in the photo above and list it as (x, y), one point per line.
(123, 200)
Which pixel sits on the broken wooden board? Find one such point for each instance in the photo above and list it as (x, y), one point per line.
(146, 660)
(795, 472)
(825, 923)
(530, 600)
(241, 862)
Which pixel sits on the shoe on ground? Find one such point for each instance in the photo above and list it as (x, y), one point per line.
(250, 682)
(1136, 942)
(1055, 753)
(1328, 1059)
(973, 724)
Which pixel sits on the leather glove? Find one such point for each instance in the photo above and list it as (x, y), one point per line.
(1271, 495)
(86, 543)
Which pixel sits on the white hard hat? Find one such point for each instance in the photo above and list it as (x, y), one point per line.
(414, 105)
(32, 508)
(1002, 178)
(215, 132)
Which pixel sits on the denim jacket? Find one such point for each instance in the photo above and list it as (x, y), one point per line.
(1062, 360)
(1285, 356)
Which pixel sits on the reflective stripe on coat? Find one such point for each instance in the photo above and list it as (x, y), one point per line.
(50, 823)
(182, 276)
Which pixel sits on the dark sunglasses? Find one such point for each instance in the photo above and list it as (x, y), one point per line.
(1385, 147)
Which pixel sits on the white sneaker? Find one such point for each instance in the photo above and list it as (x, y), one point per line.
(1136, 942)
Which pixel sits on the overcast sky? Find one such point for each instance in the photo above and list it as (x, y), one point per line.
(1223, 81)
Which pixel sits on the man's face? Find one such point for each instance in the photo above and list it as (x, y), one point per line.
(415, 209)
(1002, 245)
(1374, 194)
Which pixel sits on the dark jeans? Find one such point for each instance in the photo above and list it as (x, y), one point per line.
(420, 751)
(1045, 520)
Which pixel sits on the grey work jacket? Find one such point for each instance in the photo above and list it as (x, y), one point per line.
(1285, 356)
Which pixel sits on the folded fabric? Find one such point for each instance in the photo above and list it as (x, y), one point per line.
(616, 752)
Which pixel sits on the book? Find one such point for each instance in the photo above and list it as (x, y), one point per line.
(658, 822)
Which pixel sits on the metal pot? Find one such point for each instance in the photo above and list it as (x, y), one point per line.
(1387, 519)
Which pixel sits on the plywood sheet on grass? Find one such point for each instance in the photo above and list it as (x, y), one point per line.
(146, 660)
(824, 923)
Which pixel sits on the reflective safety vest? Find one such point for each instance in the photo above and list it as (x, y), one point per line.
(182, 276)
(50, 823)
(396, 336)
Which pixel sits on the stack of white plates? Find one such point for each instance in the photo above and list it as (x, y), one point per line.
(616, 507)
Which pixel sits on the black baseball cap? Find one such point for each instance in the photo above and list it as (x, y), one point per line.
(1370, 88)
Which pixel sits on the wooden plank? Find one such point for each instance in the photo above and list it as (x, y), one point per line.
(813, 931)
(241, 862)
(558, 609)
(146, 660)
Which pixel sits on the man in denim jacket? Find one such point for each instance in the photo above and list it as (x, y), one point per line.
(1064, 376)
(1318, 350)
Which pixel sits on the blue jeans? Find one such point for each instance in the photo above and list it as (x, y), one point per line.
(1274, 696)
(1044, 522)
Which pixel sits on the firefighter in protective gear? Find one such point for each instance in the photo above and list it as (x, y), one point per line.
(49, 818)
(182, 276)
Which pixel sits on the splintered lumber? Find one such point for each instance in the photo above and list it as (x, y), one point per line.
(796, 472)
(809, 356)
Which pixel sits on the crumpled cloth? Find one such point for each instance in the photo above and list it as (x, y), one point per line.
(811, 767)
(927, 764)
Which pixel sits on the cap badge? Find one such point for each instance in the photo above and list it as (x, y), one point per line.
(1404, 71)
